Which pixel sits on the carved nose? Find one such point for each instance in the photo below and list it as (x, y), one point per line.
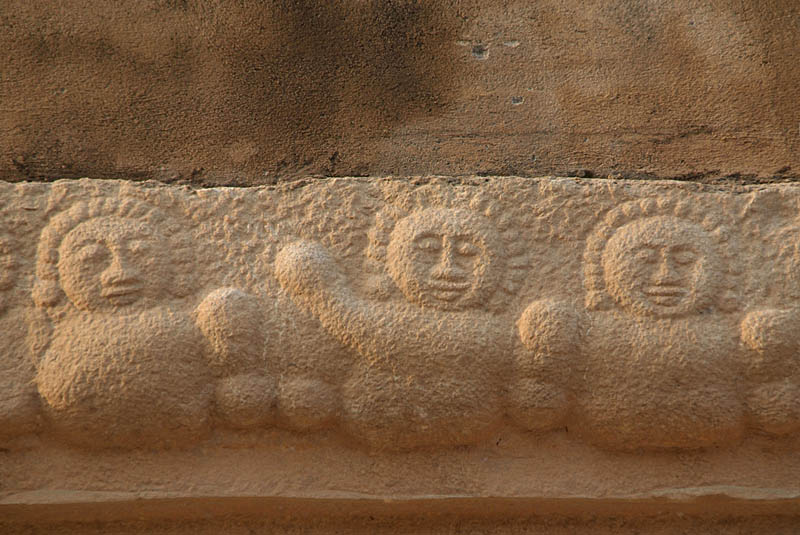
(447, 269)
(666, 272)
(118, 272)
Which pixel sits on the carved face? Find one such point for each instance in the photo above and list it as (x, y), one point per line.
(444, 258)
(661, 266)
(112, 262)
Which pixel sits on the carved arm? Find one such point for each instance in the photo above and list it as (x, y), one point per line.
(315, 282)
(773, 337)
(550, 336)
(232, 322)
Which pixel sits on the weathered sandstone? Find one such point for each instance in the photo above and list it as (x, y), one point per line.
(217, 92)
(557, 344)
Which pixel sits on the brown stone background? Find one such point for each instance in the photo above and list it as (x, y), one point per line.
(663, 524)
(251, 92)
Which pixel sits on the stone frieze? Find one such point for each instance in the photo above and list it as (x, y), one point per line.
(398, 316)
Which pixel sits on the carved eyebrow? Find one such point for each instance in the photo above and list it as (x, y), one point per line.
(467, 237)
(683, 247)
(84, 241)
(427, 234)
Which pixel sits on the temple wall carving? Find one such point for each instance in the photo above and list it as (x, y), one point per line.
(379, 336)
(635, 316)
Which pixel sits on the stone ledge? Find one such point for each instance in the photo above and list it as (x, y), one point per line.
(44, 507)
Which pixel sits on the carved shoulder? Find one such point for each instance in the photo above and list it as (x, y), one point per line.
(233, 323)
(549, 328)
(305, 268)
(773, 333)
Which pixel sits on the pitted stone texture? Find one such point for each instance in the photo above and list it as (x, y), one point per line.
(215, 92)
(399, 315)
(588, 343)
(473, 524)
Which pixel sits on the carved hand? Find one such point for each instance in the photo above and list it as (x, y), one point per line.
(231, 321)
(306, 267)
(538, 397)
(774, 335)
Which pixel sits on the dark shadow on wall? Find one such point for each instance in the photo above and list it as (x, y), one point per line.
(116, 89)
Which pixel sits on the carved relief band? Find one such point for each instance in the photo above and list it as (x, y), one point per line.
(336, 328)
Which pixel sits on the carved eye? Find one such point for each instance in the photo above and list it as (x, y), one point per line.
(92, 251)
(467, 249)
(647, 256)
(138, 247)
(429, 244)
(685, 257)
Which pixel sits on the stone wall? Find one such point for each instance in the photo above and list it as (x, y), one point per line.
(325, 274)
(554, 345)
(254, 91)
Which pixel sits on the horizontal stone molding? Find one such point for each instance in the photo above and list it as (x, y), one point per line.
(36, 508)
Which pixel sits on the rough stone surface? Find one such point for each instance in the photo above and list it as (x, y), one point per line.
(436, 346)
(662, 524)
(249, 92)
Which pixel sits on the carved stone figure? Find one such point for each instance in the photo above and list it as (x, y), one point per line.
(434, 358)
(773, 337)
(661, 360)
(654, 361)
(128, 365)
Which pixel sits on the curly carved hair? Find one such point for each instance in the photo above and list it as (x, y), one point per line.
(597, 296)
(47, 291)
(514, 258)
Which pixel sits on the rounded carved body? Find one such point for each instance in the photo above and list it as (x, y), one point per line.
(773, 401)
(127, 379)
(437, 381)
(660, 383)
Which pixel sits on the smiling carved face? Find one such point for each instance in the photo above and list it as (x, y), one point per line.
(112, 262)
(444, 258)
(661, 266)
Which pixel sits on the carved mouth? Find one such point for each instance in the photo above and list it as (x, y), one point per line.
(121, 292)
(442, 286)
(665, 291)
(665, 295)
(448, 291)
